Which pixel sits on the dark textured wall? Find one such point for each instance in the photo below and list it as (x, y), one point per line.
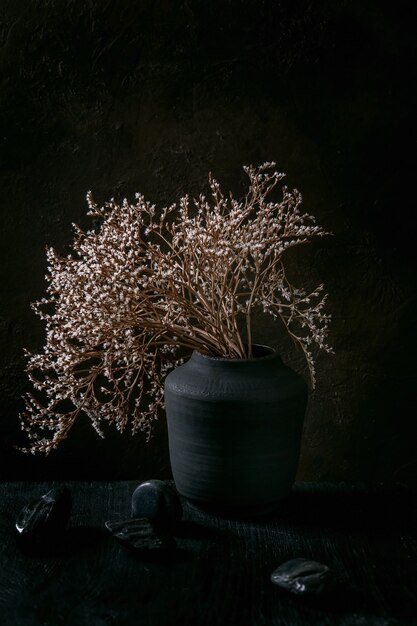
(150, 96)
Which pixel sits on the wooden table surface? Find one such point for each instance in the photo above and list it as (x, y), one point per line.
(220, 571)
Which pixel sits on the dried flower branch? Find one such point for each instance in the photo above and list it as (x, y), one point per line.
(144, 286)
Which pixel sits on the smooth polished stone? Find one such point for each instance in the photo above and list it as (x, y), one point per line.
(46, 518)
(302, 576)
(157, 501)
(139, 533)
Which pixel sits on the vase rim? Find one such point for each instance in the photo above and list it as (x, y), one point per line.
(270, 354)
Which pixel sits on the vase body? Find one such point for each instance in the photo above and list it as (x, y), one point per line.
(234, 430)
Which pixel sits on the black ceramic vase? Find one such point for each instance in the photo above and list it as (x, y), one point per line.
(234, 429)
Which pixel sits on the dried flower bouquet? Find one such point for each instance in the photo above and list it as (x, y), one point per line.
(145, 285)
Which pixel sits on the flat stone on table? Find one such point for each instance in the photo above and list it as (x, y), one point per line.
(140, 534)
(302, 576)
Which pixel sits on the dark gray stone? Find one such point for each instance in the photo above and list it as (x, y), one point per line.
(44, 520)
(140, 533)
(302, 576)
(157, 501)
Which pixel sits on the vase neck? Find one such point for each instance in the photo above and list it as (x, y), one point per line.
(261, 354)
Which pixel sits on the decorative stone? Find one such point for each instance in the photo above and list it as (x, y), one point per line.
(158, 501)
(302, 576)
(140, 533)
(45, 519)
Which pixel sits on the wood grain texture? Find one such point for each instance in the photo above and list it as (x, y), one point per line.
(220, 571)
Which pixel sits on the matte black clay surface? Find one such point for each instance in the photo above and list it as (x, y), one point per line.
(234, 430)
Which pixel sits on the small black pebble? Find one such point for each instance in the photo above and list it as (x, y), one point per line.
(302, 576)
(140, 533)
(43, 521)
(158, 501)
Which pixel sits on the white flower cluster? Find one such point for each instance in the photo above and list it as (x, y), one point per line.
(145, 286)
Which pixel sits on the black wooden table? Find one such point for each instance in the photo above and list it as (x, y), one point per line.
(220, 571)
